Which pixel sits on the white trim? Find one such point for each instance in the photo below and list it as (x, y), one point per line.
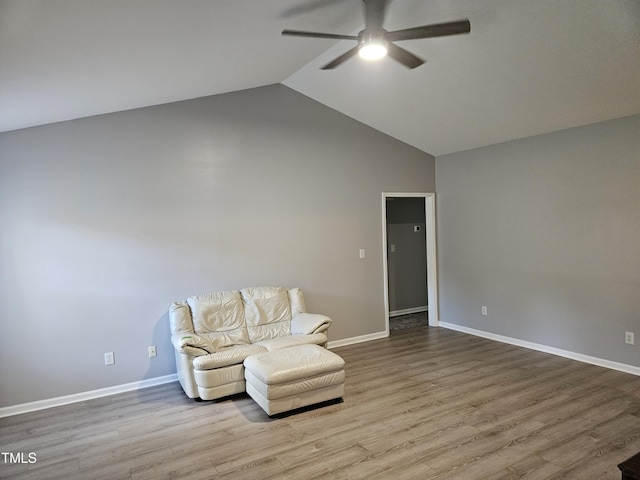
(432, 260)
(432, 265)
(80, 397)
(151, 382)
(600, 362)
(362, 338)
(407, 311)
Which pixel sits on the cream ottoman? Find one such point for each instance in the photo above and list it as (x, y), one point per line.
(294, 377)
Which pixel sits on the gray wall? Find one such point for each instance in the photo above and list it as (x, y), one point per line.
(545, 232)
(106, 220)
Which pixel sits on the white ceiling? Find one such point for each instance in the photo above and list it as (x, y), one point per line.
(527, 67)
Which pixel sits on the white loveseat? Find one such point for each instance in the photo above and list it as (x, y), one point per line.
(214, 333)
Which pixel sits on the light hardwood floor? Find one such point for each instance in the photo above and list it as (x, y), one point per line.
(425, 403)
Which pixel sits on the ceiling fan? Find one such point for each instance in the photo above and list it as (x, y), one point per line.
(375, 42)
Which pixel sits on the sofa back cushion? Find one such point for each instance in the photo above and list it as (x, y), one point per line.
(267, 312)
(219, 316)
(180, 318)
(296, 300)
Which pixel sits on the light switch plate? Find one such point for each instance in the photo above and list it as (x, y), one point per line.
(109, 358)
(629, 337)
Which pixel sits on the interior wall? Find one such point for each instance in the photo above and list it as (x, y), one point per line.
(107, 220)
(545, 232)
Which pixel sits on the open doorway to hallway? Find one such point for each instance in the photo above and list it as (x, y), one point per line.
(409, 260)
(406, 262)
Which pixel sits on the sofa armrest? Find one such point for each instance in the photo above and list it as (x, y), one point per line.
(308, 323)
(190, 344)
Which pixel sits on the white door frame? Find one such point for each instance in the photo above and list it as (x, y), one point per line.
(432, 270)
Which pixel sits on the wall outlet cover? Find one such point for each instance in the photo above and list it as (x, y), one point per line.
(109, 358)
(629, 338)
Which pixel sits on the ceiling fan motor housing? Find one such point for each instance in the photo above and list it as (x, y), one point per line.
(366, 37)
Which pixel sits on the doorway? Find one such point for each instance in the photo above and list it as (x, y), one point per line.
(404, 281)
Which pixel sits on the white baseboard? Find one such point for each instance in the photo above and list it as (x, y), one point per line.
(362, 338)
(407, 311)
(103, 392)
(80, 397)
(600, 362)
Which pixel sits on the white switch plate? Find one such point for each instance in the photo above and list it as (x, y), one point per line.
(109, 358)
(629, 338)
(152, 351)
(362, 253)
(393, 247)
(484, 310)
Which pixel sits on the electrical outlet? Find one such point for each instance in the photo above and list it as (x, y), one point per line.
(109, 359)
(629, 338)
(484, 310)
(152, 351)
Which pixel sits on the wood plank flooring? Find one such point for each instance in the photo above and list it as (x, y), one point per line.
(425, 403)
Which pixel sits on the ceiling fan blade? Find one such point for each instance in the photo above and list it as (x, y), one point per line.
(341, 59)
(306, 7)
(374, 14)
(300, 33)
(403, 56)
(428, 31)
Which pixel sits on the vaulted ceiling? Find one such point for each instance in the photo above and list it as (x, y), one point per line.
(528, 66)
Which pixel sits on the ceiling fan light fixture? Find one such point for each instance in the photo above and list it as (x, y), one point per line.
(372, 50)
(374, 42)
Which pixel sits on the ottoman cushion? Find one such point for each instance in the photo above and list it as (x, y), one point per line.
(294, 377)
(293, 363)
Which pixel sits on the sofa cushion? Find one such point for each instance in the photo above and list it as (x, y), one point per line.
(219, 316)
(296, 300)
(292, 341)
(267, 312)
(228, 356)
(180, 318)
